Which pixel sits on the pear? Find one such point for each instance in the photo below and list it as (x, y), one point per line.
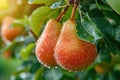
(46, 43)
(8, 32)
(71, 53)
(103, 68)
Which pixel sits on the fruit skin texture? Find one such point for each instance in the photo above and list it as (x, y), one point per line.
(46, 43)
(8, 32)
(71, 53)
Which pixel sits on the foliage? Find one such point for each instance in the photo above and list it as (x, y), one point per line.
(98, 22)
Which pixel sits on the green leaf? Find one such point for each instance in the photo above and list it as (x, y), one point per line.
(91, 28)
(21, 70)
(68, 14)
(56, 5)
(34, 67)
(8, 46)
(113, 45)
(104, 1)
(105, 55)
(117, 33)
(25, 53)
(104, 26)
(69, 74)
(94, 13)
(108, 32)
(115, 4)
(67, 2)
(53, 74)
(21, 22)
(112, 15)
(117, 67)
(103, 6)
(46, 2)
(82, 33)
(39, 17)
(39, 73)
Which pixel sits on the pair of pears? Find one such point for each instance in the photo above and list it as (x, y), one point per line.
(63, 47)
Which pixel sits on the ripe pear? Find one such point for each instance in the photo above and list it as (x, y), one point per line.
(8, 32)
(103, 68)
(46, 43)
(7, 54)
(71, 53)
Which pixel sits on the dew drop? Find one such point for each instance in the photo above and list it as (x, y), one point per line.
(84, 34)
(70, 70)
(82, 70)
(56, 67)
(42, 49)
(75, 71)
(48, 67)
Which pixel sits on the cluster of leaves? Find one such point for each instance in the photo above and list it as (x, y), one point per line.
(97, 23)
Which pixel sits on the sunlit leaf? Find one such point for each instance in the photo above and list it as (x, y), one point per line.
(46, 2)
(25, 53)
(39, 17)
(115, 4)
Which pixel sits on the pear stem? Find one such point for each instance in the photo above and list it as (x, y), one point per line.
(35, 36)
(62, 13)
(74, 9)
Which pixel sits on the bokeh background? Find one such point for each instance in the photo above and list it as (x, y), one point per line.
(17, 57)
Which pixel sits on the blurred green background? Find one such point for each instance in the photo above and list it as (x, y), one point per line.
(18, 60)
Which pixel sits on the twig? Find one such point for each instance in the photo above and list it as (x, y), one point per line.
(74, 9)
(62, 13)
(35, 36)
